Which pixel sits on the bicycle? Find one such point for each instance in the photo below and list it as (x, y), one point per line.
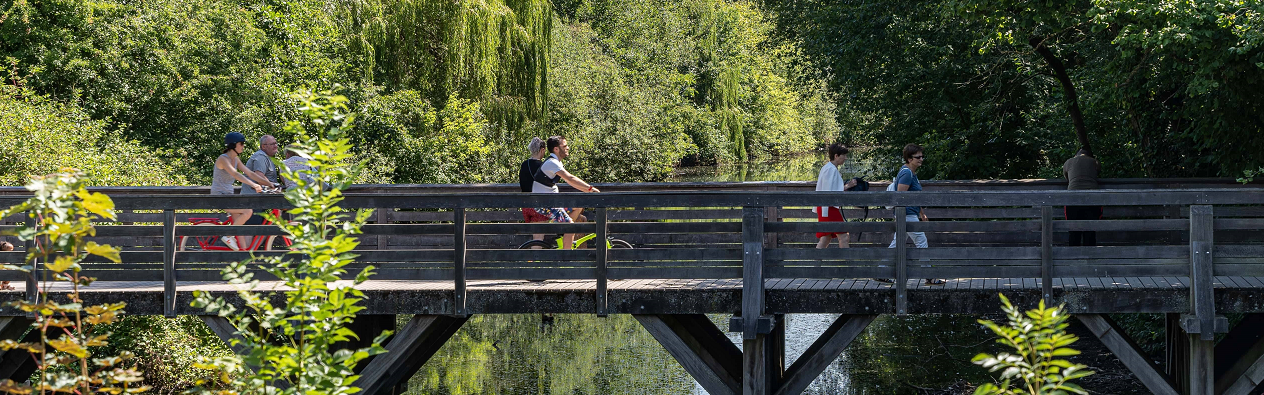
(214, 243)
(611, 242)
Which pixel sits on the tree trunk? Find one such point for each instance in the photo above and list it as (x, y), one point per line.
(1072, 100)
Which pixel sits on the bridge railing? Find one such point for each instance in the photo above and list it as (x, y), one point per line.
(754, 235)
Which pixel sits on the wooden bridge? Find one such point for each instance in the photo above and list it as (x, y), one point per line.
(1190, 248)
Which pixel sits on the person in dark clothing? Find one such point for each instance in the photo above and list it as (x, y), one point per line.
(1081, 174)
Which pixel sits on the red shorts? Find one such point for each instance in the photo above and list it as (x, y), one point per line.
(529, 215)
(832, 215)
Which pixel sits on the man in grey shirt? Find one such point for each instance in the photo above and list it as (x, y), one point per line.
(261, 162)
(1081, 174)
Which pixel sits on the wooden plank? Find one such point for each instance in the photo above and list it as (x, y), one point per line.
(407, 351)
(753, 270)
(700, 348)
(822, 353)
(1121, 225)
(602, 259)
(1200, 272)
(169, 263)
(901, 261)
(1128, 353)
(1046, 253)
(458, 260)
(32, 276)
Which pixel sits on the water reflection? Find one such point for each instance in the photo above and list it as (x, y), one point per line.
(582, 354)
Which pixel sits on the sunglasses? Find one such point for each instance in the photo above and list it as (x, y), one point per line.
(918, 157)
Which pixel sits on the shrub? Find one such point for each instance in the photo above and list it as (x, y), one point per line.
(1038, 338)
(63, 211)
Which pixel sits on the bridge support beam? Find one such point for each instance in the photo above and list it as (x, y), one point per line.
(1127, 351)
(1240, 358)
(759, 366)
(701, 348)
(17, 365)
(406, 351)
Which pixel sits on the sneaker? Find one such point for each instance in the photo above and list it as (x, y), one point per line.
(231, 242)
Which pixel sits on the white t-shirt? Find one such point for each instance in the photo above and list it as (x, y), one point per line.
(550, 168)
(830, 180)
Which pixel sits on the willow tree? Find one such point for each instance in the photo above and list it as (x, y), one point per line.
(493, 51)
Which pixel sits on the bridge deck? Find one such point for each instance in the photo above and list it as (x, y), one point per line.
(679, 296)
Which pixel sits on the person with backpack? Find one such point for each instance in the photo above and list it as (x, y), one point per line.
(831, 180)
(906, 180)
(553, 172)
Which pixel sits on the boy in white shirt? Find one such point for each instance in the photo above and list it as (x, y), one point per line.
(554, 172)
(831, 180)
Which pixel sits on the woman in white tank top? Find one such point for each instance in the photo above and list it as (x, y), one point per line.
(228, 167)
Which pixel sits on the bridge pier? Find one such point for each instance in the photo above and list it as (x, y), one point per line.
(17, 365)
(759, 366)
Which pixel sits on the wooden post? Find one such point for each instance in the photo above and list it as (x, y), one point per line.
(1202, 345)
(32, 277)
(1046, 254)
(1200, 274)
(381, 220)
(755, 374)
(772, 214)
(602, 257)
(901, 261)
(753, 270)
(458, 258)
(169, 263)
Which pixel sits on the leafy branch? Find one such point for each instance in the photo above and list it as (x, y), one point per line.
(1038, 338)
(62, 211)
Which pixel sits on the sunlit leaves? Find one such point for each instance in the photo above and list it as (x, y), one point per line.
(62, 211)
(1038, 337)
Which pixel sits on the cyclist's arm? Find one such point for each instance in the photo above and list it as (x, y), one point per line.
(576, 182)
(226, 164)
(254, 175)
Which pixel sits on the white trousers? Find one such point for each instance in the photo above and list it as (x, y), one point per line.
(919, 238)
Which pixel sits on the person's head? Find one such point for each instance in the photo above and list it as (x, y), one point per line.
(1084, 151)
(289, 151)
(536, 148)
(838, 153)
(913, 154)
(6, 246)
(557, 146)
(234, 142)
(268, 145)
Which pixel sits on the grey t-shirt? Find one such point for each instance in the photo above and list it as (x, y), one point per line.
(262, 163)
(1081, 172)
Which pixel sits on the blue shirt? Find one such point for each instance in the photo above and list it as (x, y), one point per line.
(907, 177)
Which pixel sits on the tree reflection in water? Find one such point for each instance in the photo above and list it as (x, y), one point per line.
(583, 354)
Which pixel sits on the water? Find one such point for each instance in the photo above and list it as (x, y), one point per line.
(582, 354)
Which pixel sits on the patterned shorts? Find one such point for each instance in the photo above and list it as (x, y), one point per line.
(556, 214)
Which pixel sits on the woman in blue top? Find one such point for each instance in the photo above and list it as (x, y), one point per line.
(907, 180)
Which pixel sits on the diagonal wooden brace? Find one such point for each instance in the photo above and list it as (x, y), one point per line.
(699, 346)
(407, 351)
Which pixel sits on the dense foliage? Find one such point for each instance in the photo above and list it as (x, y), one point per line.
(452, 89)
(1166, 88)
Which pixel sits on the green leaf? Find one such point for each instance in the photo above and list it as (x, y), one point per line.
(103, 250)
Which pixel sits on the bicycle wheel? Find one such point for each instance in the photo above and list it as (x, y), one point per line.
(617, 243)
(532, 244)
